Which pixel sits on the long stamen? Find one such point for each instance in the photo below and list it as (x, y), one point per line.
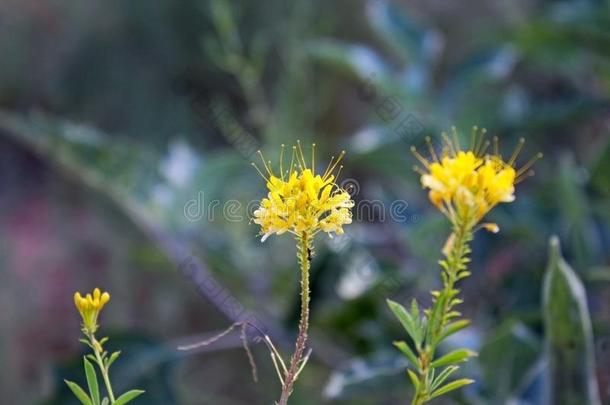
(300, 154)
(419, 157)
(294, 150)
(332, 158)
(419, 170)
(484, 148)
(264, 163)
(431, 149)
(496, 147)
(518, 148)
(313, 158)
(334, 165)
(529, 164)
(259, 172)
(524, 176)
(456, 139)
(336, 181)
(282, 162)
(449, 144)
(477, 149)
(473, 137)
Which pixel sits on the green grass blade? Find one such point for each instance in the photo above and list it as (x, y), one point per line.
(568, 334)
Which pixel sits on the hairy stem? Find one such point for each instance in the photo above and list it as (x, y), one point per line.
(98, 357)
(304, 255)
(456, 259)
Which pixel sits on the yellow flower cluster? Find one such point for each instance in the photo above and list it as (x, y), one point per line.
(466, 184)
(90, 306)
(300, 201)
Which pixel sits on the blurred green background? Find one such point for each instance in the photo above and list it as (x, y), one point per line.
(126, 134)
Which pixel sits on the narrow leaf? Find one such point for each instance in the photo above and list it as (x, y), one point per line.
(112, 358)
(451, 386)
(128, 396)
(406, 320)
(79, 393)
(413, 378)
(443, 376)
(92, 382)
(568, 333)
(406, 350)
(453, 327)
(455, 356)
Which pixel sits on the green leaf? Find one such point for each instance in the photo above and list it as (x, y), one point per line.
(450, 387)
(455, 356)
(568, 333)
(112, 358)
(414, 309)
(105, 401)
(79, 393)
(86, 342)
(406, 350)
(407, 321)
(92, 382)
(435, 317)
(452, 328)
(443, 376)
(414, 379)
(128, 396)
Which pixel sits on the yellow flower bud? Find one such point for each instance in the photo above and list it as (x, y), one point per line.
(89, 308)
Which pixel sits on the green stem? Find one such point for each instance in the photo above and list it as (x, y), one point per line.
(96, 345)
(455, 262)
(304, 255)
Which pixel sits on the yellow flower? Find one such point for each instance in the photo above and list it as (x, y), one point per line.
(466, 184)
(89, 308)
(299, 200)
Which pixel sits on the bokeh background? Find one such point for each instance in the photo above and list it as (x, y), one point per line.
(127, 129)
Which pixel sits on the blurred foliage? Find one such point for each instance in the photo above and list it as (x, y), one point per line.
(568, 334)
(120, 116)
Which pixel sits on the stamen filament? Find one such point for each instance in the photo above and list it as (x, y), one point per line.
(259, 172)
(456, 138)
(449, 144)
(334, 165)
(529, 164)
(473, 137)
(419, 157)
(518, 148)
(282, 161)
(264, 163)
(300, 154)
(431, 149)
(477, 149)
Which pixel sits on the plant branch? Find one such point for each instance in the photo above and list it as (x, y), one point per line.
(304, 255)
(97, 348)
(454, 268)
